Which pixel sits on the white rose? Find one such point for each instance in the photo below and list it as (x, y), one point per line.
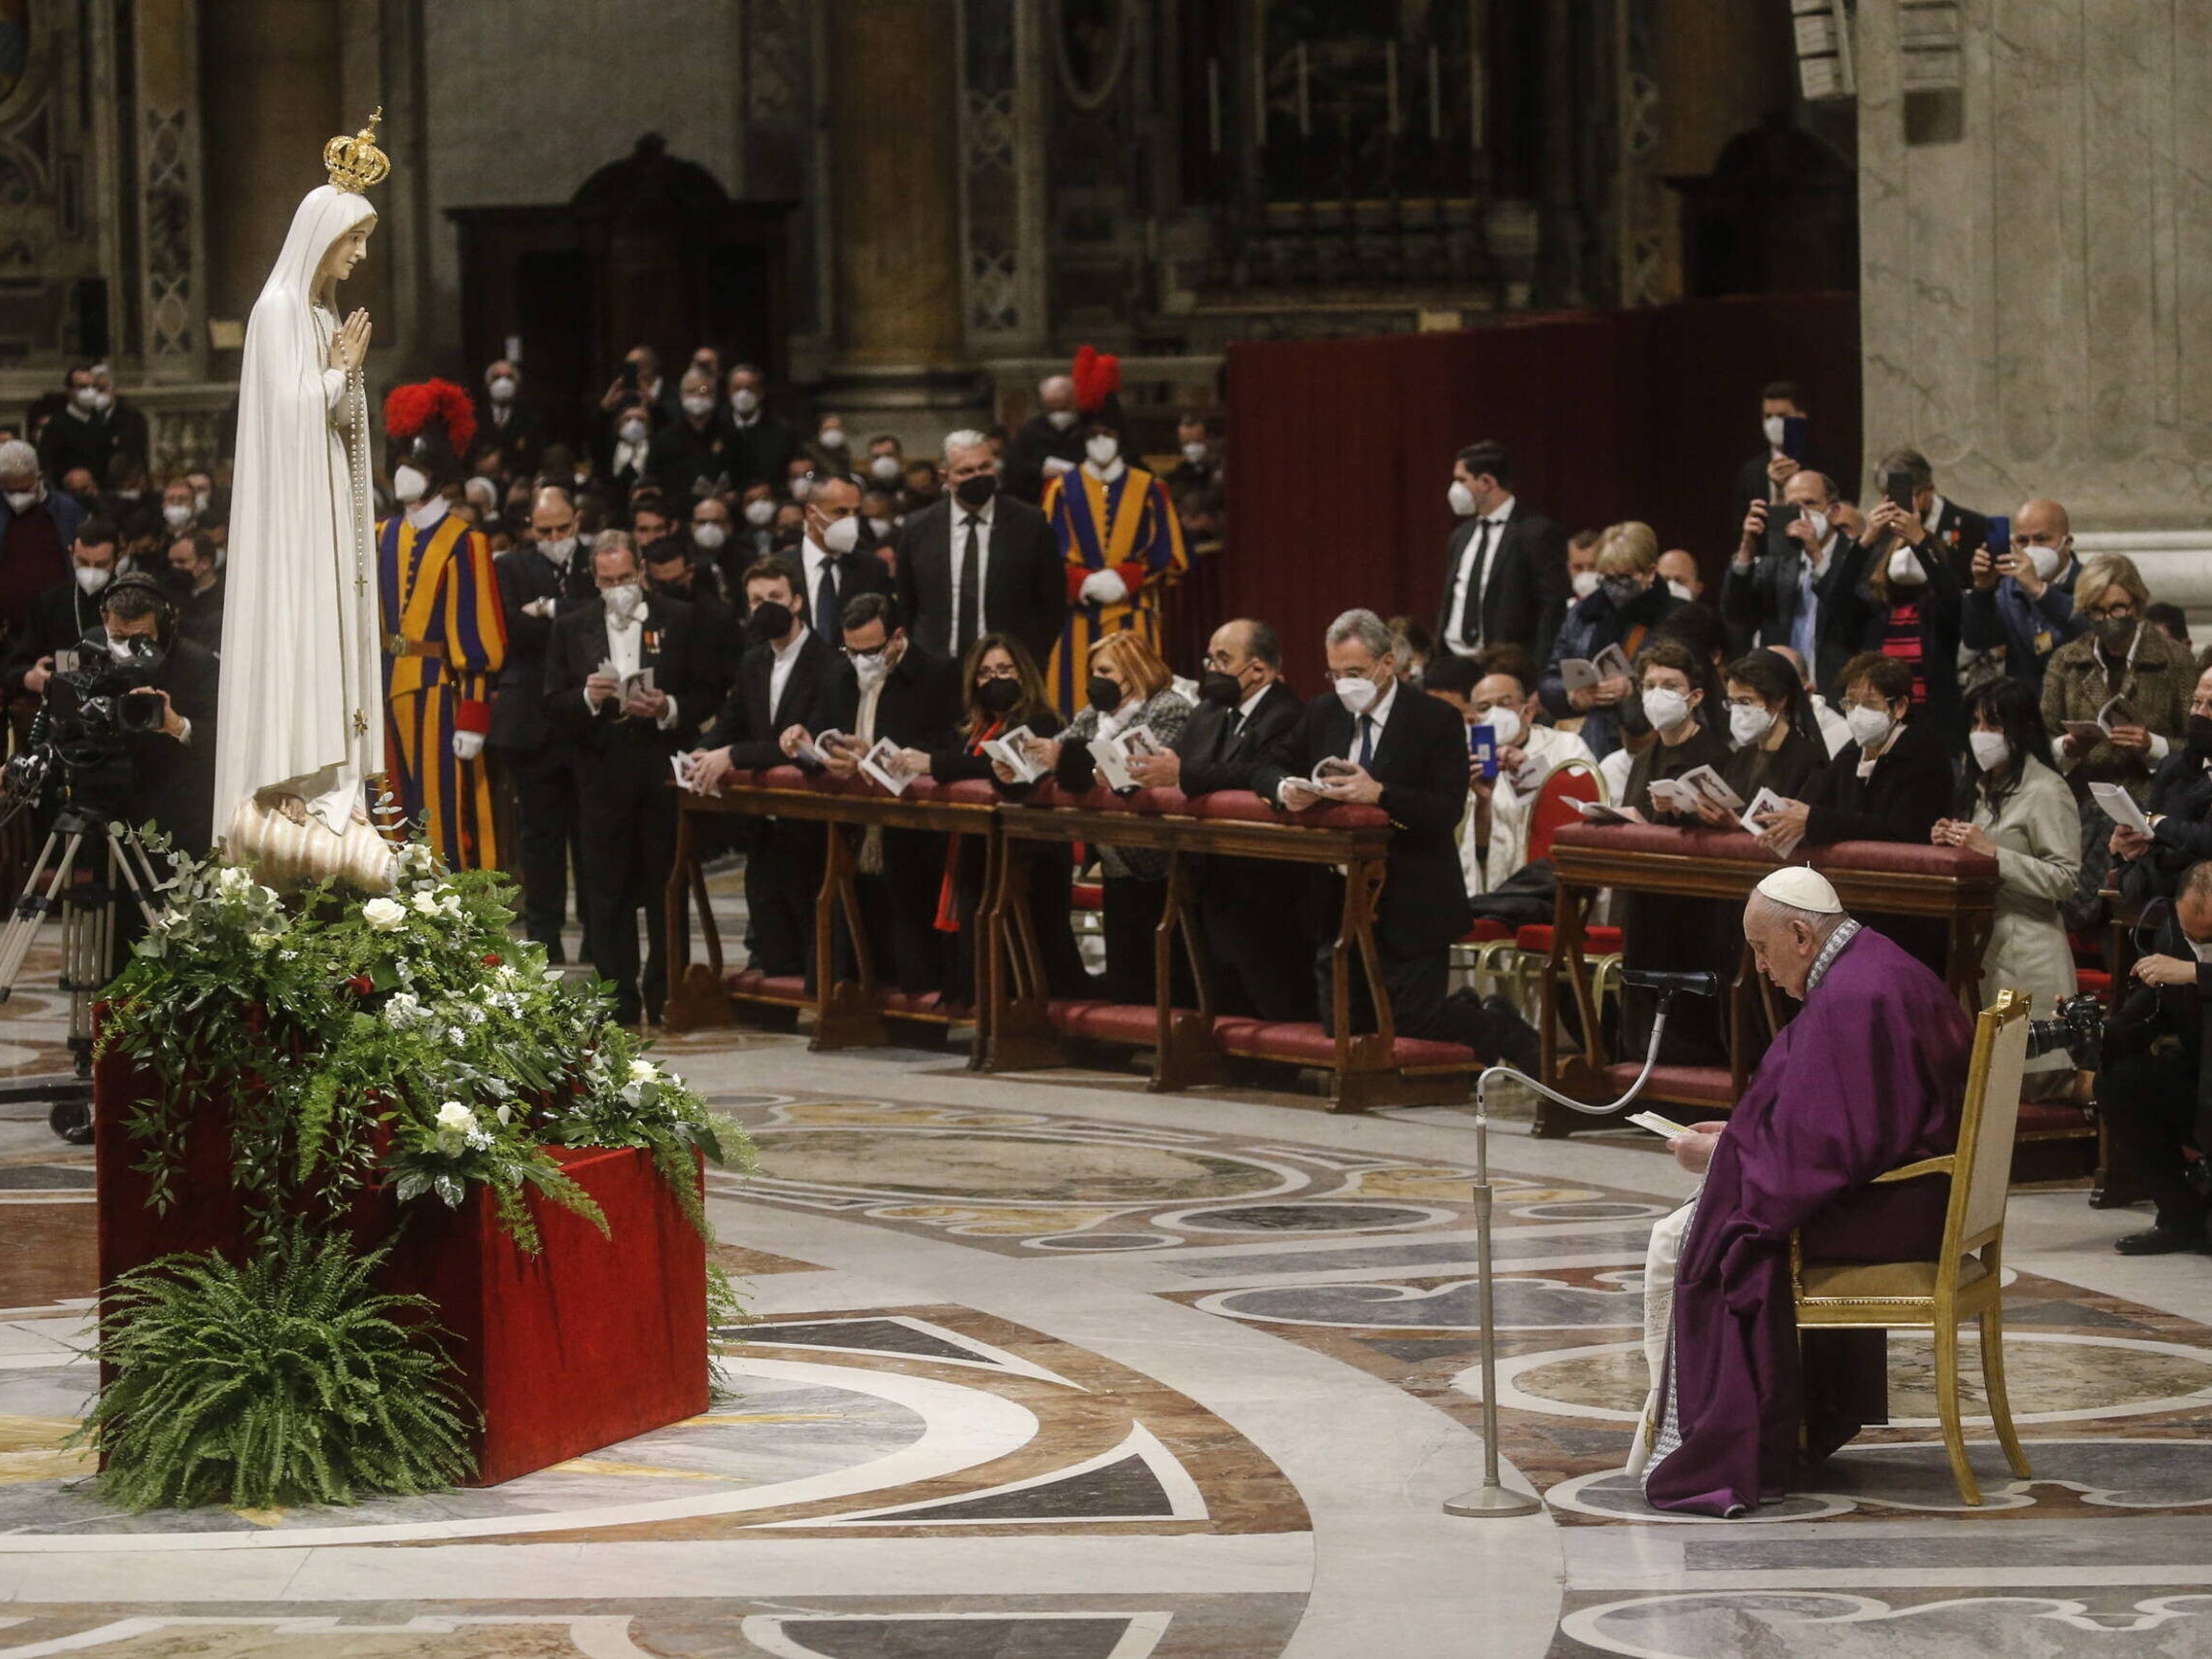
(260, 940)
(383, 915)
(450, 903)
(231, 877)
(454, 1118)
(644, 1071)
(426, 903)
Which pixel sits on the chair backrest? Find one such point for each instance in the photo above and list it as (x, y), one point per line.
(1568, 782)
(1986, 1124)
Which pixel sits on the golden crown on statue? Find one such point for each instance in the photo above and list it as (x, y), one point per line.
(356, 163)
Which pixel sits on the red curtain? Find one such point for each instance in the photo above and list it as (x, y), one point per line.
(1340, 451)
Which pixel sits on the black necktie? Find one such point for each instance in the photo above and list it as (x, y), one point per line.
(1471, 613)
(1366, 739)
(825, 598)
(967, 615)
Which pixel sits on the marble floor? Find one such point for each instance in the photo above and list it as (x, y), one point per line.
(1050, 1368)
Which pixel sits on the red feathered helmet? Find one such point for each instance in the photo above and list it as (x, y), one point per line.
(1097, 376)
(429, 426)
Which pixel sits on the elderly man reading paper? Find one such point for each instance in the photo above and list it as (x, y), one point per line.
(1868, 1076)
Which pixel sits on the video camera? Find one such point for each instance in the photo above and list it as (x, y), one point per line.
(2077, 1029)
(96, 701)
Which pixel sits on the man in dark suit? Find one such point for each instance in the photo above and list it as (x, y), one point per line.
(1408, 755)
(783, 681)
(64, 613)
(642, 382)
(1251, 912)
(196, 586)
(835, 565)
(981, 560)
(694, 454)
(1505, 565)
(508, 421)
(764, 442)
(1048, 443)
(1797, 580)
(621, 732)
(675, 569)
(888, 688)
(1762, 476)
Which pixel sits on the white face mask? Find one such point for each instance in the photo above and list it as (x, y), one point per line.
(1504, 724)
(760, 513)
(502, 389)
(119, 650)
(881, 527)
(1195, 454)
(2200, 949)
(1586, 582)
(176, 515)
(1819, 523)
(85, 397)
(698, 405)
(103, 401)
(870, 670)
(91, 577)
(1665, 708)
(744, 399)
(558, 551)
(201, 499)
(407, 484)
(1869, 727)
(1748, 722)
(1990, 750)
(1771, 426)
(623, 602)
(1061, 418)
(1905, 569)
(1681, 591)
(709, 534)
(1358, 693)
(22, 500)
(832, 438)
(884, 467)
(1462, 498)
(843, 536)
(1103, 449)
(801, 488)
(2046, 561)
(633, 431)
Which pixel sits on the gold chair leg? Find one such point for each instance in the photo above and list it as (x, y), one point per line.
(1946, 1408)
(1992, 1324)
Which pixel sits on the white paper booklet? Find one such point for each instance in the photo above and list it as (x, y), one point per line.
(886, 765)
(2120, 807)
(1011, 752)
(1708, 784)
(1767, 801)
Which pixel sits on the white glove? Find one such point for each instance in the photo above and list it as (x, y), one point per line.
(1054, 467)
(539, 607)
(1104, 587)
(467, 745)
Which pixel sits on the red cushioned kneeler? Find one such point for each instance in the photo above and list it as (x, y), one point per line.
(592, 1341)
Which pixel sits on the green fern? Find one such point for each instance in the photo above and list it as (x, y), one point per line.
(290, 1380)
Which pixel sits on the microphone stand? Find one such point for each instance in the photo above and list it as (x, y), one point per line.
(1492, 1498)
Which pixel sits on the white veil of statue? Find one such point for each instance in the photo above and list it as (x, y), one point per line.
(303, 711)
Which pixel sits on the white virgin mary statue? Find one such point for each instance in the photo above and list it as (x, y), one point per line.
(302, 713)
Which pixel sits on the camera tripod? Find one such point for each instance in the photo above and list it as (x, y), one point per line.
(89, 927)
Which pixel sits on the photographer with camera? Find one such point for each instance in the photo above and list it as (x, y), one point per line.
(64, 613)
(2153, 1085)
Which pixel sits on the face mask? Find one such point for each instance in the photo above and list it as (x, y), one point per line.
(745, 400)
(709, 534)
(884, 467)
(1620, 589)
(22, 500)
(623, 602)
(1103, 693)
(801, 488)
(1195, 454)
(91, 577)
(558, 551)
(2200, 731)
(176, 515)
(2200, 949)
(1462, 498)
(1990, 750)
(1584, 583)
(201, 499)
(832, 438)
(103, 401)
(1504, 724)
(85, 397)
(1061, 418)
(1222, 690)
(998, 696)
(1771, 426)
(176, 583)
(789, 536)
(698, 405)
(1103, 449)
(770, 622)
(760, 513)
(409, 484)
(870, 668)
(122, 650)
(2115, 633)
(1748, 722)
(1358, 693)
(976, 490)
(2046, 561)
(1868, 726)
(501, 389)
(1905, 569)
(633, 431)
(1665, 708)
(1819, 523)
(843, 536)
(1681, 591)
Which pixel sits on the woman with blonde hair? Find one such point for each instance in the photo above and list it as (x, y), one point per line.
(1628, 605)
(2126, 673)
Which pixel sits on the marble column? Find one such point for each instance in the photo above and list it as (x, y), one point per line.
(172, 245)
(2036, 269)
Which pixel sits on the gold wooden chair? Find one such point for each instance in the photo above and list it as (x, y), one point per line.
(1966, 1280)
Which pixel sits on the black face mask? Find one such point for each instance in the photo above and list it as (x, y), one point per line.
(2115, 633)
(769, 623)
(1104, 694)
(2201, 737)
(998, 696)
(1222, 691)
(790, 536)
(977, 490)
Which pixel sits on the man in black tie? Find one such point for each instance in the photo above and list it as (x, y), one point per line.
(834, 568)
(763, 444)
(1505, 566)
(1253, 912)
(1409, 755)
(979, 560)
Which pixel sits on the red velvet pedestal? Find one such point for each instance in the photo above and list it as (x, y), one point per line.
(591, 1341)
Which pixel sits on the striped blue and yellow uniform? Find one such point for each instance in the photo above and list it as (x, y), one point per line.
(1128, 526)
(443, 641)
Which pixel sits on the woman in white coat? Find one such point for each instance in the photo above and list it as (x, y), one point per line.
(2018, 809)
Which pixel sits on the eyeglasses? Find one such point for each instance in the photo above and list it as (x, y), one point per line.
(1878, 705)
(2121, 610)
(1332, 675)
(997, 671)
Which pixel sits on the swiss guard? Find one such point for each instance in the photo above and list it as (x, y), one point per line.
(1118, 535)
(443, 636)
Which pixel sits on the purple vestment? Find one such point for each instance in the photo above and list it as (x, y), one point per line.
(1868, 1075)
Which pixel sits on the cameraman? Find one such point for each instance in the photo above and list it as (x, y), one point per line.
(2155, 1088)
